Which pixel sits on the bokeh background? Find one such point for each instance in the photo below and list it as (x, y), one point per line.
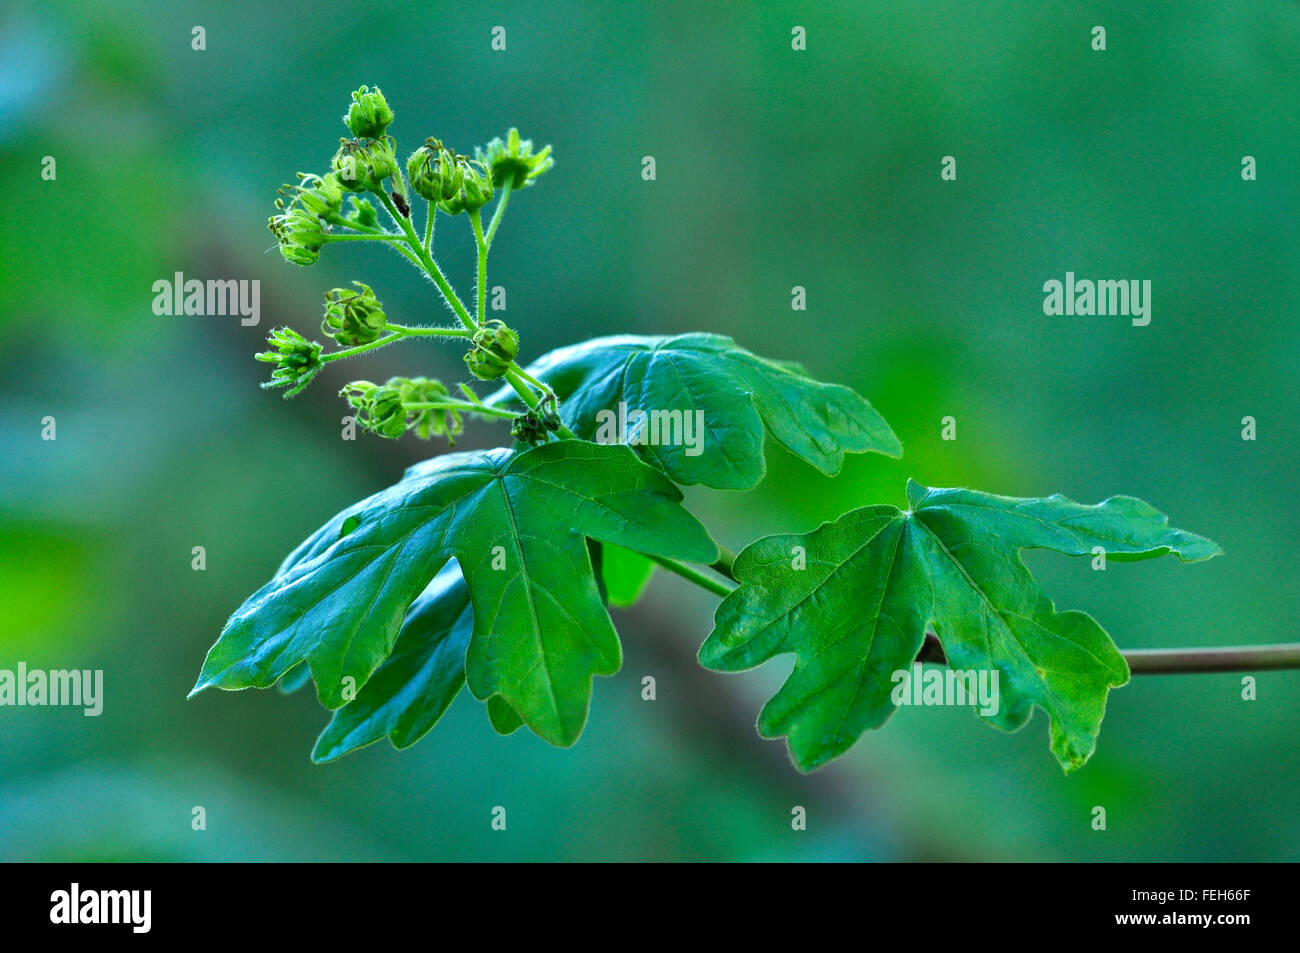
(775, 168)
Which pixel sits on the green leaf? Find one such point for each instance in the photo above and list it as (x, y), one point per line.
(294, 679)
(740, 395)
(872, 582)
(417, 683)
(516, 523)
(625, 575)
(505, 720)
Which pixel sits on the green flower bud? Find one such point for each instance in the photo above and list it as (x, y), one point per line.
(492, 349)
(529, 427)
(368, 116)
(318, 195)
(475, 188)
(300, 235)
(363, 213)
(379, 407)
(296, 360)
(428, 422)
(391, 409)
(434, 172)
(513, 161)
(353, 317)
(361, 165)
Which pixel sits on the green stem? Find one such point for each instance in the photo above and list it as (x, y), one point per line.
(362, 348)
(476, 219)
(496, 214)
(1219, 659)
(428, 228)
(366, 237)
(334, 219)
(399, 180)
(397, 332)
(715, 586)
(519, 379)
(1241, 658)
(541, 386)
(463, 405)
(521, 388)
(469, 392)
(723, 566)
(430, 266)
(429, 332)
(1245, 658)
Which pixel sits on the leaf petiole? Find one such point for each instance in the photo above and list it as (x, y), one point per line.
(715, 586)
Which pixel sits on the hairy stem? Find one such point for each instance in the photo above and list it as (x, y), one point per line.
(396, 333)
(366, 237)
(498, 212)
(520, 380)
(363, 348)
(430, 266)
(476, 219)
(429, 332)
(462, 405)
(335, 219)
(521, 388)
(540, 385)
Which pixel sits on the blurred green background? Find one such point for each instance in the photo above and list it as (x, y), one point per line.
(775, 168)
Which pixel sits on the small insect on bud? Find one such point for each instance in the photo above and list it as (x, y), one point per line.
(296, 359)
(352, 317)
(369, 115)
(401, 204)
(513, 160)
(492, 350)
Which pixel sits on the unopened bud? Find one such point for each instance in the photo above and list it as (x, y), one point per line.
(369, 115)
(353, 317)
(492, 350)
